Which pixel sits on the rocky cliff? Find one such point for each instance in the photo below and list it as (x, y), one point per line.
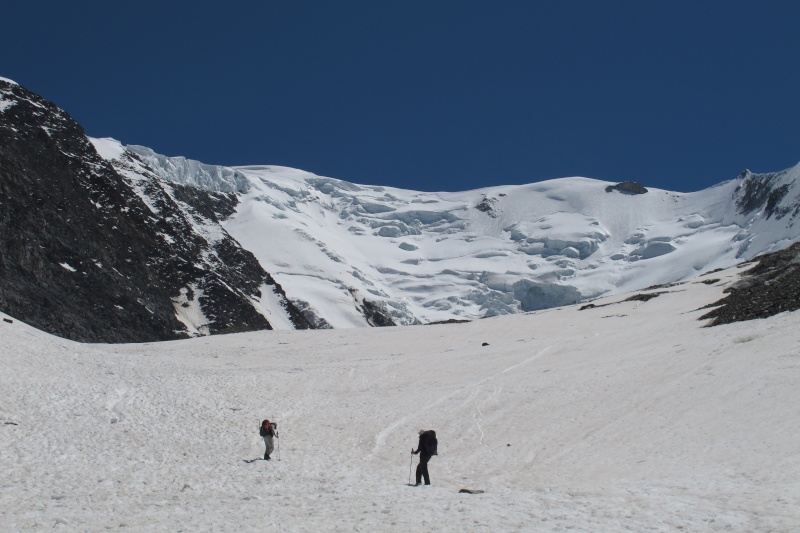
(91, 254)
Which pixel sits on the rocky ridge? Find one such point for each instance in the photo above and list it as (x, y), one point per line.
(100, 254)
(772, 286)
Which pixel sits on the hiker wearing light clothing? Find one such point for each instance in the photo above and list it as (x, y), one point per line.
(268, 430)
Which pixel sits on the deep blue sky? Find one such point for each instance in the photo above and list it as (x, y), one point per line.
(429, 95)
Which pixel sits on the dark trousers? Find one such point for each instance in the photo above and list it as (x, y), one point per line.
(422, 469)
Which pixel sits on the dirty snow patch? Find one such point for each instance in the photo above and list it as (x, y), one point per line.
(189, 312)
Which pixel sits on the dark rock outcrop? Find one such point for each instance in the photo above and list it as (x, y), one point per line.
(376, 315)
(640, 297)
(375, 312)
(769, 288)
(488, 206)
(92, 255)
(765, 190)
(627, 187)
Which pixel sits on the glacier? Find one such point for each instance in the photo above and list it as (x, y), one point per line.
(427, 257)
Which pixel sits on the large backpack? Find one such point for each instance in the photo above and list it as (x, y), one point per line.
(430, 443)
(266, 429)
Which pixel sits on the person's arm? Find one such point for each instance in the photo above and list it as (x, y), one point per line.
(419, 447)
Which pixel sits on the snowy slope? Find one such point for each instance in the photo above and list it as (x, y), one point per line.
(427, 257)
(629, 417)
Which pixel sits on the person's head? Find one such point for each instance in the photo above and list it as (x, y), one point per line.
(421, 431)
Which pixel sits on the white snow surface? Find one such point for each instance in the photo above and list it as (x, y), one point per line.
(108, 148)
(629, 417)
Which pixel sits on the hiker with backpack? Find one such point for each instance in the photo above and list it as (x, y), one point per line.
(426, 449)
(268, 430)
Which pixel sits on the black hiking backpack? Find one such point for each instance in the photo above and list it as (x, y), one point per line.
(430, 443)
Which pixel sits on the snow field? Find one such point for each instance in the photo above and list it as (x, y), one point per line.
(628, 417)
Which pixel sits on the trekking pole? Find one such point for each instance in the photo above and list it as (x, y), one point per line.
(279, 447)
(410, 466)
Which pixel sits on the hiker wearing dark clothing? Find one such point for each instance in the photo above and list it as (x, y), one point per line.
(268, 430)
(426, 448)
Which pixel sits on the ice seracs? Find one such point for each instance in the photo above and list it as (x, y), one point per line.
(189, 172)
(429, 257)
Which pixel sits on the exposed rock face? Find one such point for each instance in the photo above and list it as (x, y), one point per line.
(488, 206)
(767, 191)
(376, 314)
(769, 288)
(627, 187)
(93, 255)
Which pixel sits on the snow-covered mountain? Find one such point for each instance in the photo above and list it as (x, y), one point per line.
(237, 248)
(425, 257)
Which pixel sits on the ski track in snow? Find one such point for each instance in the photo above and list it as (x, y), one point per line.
(381, 437)
(624, 418)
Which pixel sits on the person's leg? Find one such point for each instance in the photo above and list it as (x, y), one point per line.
(268, 447)
(424, 464)
(422, 469)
